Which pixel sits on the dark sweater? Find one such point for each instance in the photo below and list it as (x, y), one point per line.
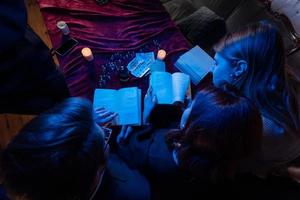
(29, 80)
(13, 22)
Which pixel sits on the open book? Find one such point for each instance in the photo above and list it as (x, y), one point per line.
(126, 102)
(169, 88)
(196, 63)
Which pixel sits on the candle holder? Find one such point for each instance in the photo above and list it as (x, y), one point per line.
(124, 74)
(161, 54)
(87, 54)
(63, 27)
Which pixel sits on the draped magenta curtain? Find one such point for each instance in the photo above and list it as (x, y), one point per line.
(114, 32)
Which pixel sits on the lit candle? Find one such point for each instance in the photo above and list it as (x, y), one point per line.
(87, 54)
(161, 55)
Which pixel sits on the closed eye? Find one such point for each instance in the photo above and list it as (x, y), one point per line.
(214, 65)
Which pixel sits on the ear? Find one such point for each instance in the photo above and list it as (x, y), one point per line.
(240, 68)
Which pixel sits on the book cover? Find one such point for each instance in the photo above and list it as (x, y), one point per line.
(196, 63)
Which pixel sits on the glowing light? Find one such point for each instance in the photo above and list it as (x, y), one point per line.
(161, 55)
(87, 54)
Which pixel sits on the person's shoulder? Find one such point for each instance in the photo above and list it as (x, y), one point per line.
(152, 132)
(274, 129)
(124, 182)
(271, 128)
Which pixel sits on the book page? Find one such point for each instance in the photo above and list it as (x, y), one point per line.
(105, 98)
(180, 83)
(189, 92)
(161, 83)
(129, 106)
(196, 63)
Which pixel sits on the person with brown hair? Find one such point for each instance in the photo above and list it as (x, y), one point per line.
(216, 131)
(63, 154)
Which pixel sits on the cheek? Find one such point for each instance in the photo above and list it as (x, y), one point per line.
(220, 74)
(184, 117)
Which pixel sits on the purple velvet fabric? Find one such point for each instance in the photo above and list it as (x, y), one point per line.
(114, 32)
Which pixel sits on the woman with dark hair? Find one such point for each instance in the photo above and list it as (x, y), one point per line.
(220, 126)
(253, 59)
(217, 130)
(61, 154)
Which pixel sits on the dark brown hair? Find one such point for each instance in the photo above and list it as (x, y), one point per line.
(56, 155)
(222, 129)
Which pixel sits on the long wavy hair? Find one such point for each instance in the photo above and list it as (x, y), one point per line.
(267, 81)
(221, 129)
(56, 155)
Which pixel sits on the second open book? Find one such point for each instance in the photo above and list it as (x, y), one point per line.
(168, 88)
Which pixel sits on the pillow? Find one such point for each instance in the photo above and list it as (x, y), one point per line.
(220, 7)
(291, 9)
(178, 9)
(203, 28)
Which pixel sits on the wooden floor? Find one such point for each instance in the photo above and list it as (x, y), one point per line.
(10, 124)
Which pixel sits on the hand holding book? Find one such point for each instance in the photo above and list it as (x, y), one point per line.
(104, 116)
(150, 101)
(125, 101)
(123, 136)
(169, 88)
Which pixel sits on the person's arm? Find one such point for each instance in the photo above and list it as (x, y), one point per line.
(159, 115)
(150, 101)
(131, 148)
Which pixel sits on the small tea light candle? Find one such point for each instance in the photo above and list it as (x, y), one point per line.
(161, 54)
(63, 27)
(87, 54)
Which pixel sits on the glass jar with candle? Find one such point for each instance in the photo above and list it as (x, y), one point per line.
(159, 63)
(63, 27)
(87, 54)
